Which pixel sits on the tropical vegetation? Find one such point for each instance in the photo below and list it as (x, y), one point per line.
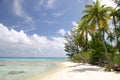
(93, 40)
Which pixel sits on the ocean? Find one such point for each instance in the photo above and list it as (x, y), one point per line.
(22, 68)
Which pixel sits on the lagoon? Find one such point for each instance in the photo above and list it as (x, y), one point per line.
(22, 68)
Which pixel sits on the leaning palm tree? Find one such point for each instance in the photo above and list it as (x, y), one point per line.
(83, 29)
(116, 20)
(113, 14)
(97, 16)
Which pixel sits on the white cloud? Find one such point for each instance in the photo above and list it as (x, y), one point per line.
(74, 23)
(30, 29)
(107, 2)
(57, 14)
(17, 8)
(61, 32)
(80, 1)
(50, 3)
(14, 43)
(49, 21)
(15, 26)
(41, 2)
(13, 36)
(18, 11)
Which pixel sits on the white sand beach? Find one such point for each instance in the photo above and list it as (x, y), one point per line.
(79, 71)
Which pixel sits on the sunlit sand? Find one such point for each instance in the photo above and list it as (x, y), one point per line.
(79, 71)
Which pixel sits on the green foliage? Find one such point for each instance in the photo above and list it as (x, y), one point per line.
(117, 23)
(114, 63)
(117, 2)
(111, 37)
(99, 50)
(72, 44)
(97, 56)
(83, 29)
(82, 57)
(116, 59)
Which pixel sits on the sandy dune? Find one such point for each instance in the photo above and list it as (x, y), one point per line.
(79, 71)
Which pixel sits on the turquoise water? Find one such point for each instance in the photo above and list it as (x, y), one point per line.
(34, 58)
(22, 68)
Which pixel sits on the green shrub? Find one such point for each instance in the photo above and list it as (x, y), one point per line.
(116, 59)
(97, 58)
(82, 57)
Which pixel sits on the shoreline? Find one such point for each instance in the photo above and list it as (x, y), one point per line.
(59, 67)
(77, 71)
(26, 69)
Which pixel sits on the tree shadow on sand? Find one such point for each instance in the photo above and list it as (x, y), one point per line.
(76, 65)
(85, 69)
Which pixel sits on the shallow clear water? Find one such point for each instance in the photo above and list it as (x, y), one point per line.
(21, 69)
(34, 58)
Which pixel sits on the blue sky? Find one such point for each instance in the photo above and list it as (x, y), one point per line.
(36, 28)
(43, 17)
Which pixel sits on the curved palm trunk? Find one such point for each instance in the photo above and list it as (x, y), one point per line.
(114, 22)
(101, 37)
(105, 48)
(77, 48)
(116, 33)
(103, 42)
(86, 35)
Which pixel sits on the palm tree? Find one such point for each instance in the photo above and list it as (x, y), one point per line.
(116, 19)
(117, 2)
(97, 16)
(111, 37)
(80, 42)
(113, 14)
(83, 29)
(103, 32)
